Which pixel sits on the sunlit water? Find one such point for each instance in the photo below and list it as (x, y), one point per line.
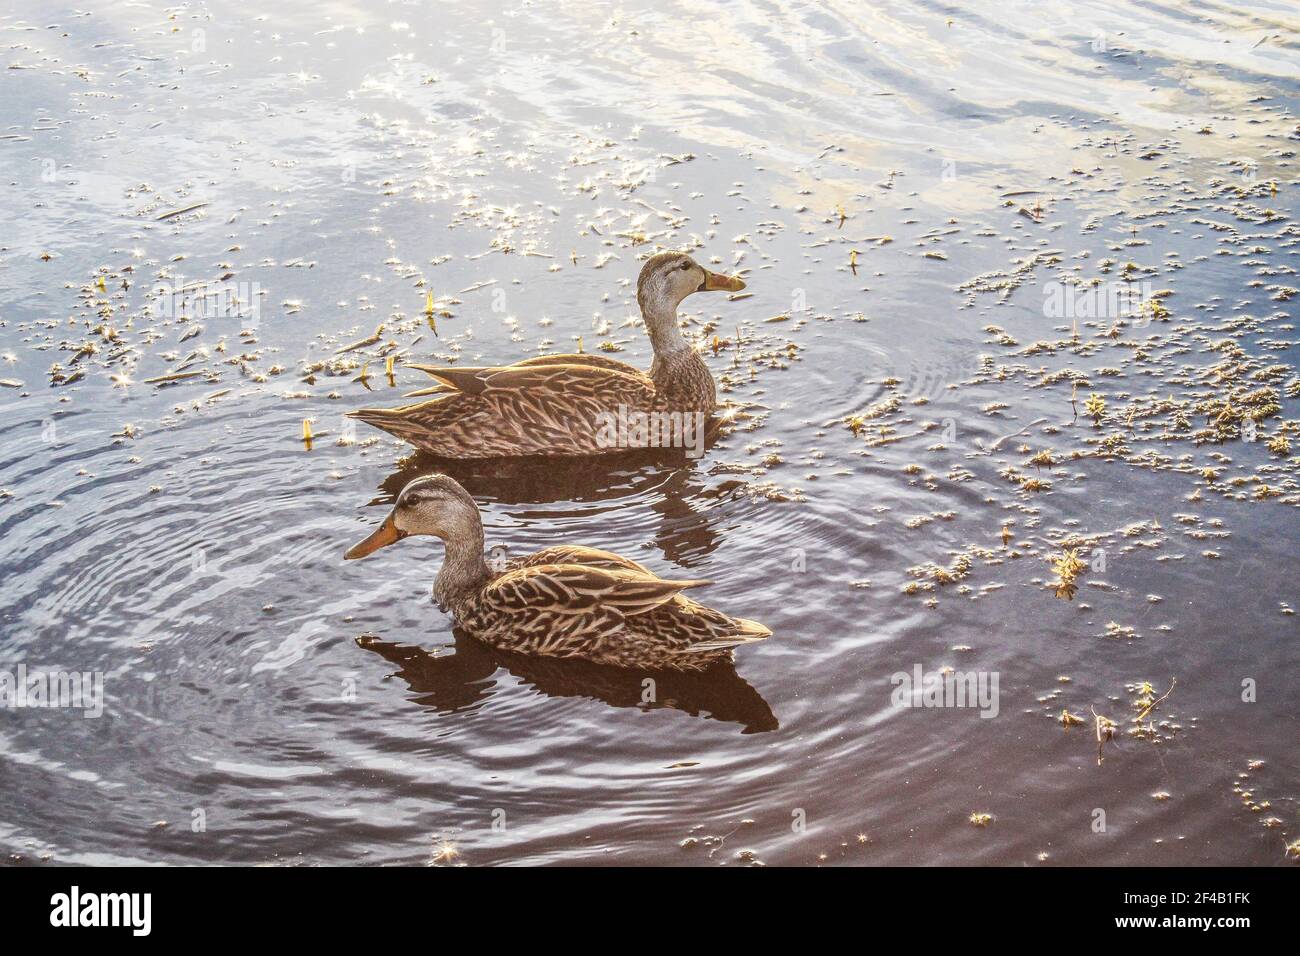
(518, 161)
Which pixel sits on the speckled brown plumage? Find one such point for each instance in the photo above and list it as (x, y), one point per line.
(549, 410)
(564, 602)
(553, 406)
(582, 602)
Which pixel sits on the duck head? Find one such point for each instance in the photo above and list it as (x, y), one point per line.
(666, 279)
(433, 504)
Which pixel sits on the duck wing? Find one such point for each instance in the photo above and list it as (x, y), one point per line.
(582, 358)
(516, 410)
(699, 629)
(608, 609)
(565, 610)
(576, 554)
(573, 590)
(571, 358)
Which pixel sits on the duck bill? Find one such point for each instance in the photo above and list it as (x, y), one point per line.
(713, 282)
(383, 536)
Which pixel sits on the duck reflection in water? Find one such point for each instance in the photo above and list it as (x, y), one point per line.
(453, 682)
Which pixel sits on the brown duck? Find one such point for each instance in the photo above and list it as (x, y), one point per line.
(570, 602)
(556, 405)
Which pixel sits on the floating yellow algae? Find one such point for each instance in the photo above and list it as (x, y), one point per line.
(1067, 567)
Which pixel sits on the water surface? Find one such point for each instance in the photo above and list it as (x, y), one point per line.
(899, 183)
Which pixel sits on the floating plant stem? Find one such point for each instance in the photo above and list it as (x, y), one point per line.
(429, 312)
(1105, 731)
(1173, 682)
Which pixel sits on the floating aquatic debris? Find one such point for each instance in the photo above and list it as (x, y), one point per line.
(1105, 730)
(1068, 719)
(180, 212)
(1067, 567)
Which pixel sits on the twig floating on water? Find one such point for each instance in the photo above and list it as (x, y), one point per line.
(1155, 703)
(180, 212)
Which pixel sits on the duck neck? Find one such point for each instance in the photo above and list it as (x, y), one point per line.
(463, 572)
(681, 377)
(660, 317)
